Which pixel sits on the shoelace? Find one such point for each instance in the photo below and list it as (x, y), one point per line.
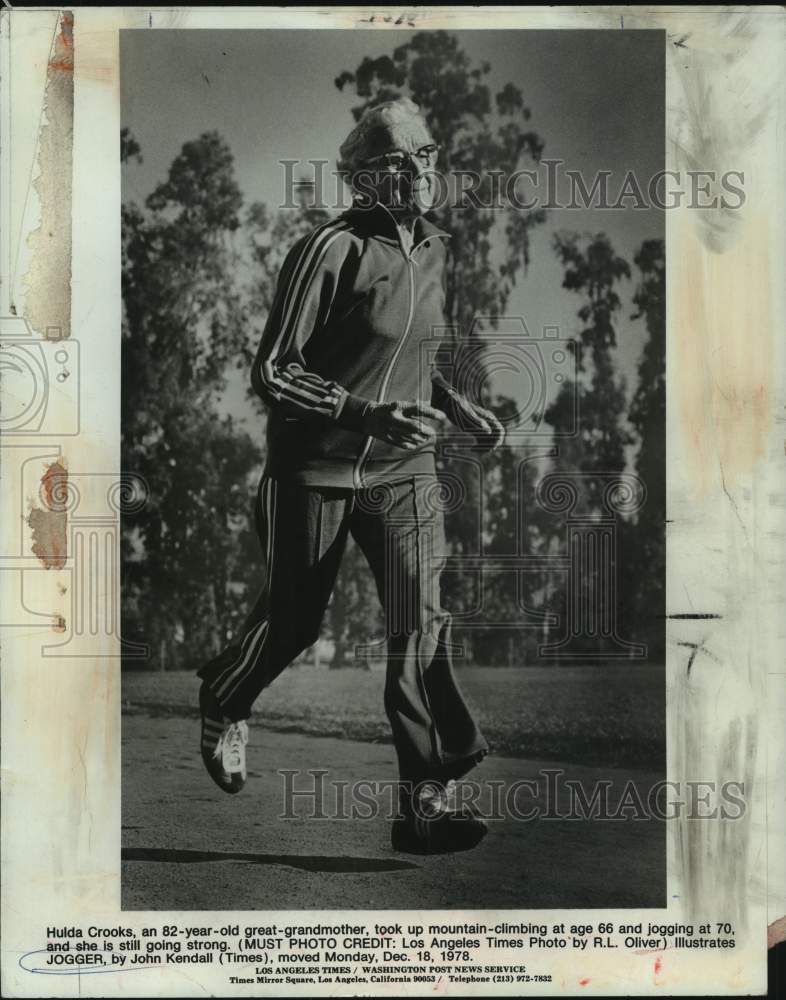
(235, 739)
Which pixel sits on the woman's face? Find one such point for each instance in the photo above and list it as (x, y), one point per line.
(399, 167)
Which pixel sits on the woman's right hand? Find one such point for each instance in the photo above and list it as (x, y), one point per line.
(402, 423)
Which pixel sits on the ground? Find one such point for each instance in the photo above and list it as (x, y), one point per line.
(189, 846)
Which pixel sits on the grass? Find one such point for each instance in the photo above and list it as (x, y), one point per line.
(611, 715)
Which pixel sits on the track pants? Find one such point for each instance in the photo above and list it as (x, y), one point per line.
(304, 530)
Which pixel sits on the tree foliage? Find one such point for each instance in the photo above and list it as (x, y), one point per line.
(596, 400)
(645, 569)
(607, 427)
(184, 325)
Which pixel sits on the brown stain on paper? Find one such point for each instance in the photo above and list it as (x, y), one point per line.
(49, 523)
(722, 404)
(722, 361)
(724, 355)
(48, 280)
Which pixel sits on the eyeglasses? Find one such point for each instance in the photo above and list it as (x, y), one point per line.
(397, 159)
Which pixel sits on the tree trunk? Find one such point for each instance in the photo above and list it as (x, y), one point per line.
(339, 656)
(338, 624)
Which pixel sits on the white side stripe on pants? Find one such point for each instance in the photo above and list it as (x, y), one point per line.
(254, 640)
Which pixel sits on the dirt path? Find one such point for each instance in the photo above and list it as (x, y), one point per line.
(188, 846)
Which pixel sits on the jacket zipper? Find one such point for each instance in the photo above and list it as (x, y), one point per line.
(357, 472)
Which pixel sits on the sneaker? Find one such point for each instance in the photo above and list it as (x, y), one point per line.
(223, 744)
(437, 828)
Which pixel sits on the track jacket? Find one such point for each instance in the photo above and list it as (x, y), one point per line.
(350, 319)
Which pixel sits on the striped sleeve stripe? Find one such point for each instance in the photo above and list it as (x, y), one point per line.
(300, 278)
(303, 274)
(326, 404)
(292, 281)
(307, 383)
(299, 395)
(325, 395)
(329, 395)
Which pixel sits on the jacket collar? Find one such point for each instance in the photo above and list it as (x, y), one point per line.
(380, 222)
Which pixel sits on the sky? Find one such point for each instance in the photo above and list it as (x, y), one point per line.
(596, 99)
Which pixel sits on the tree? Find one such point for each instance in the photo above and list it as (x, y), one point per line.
(596, 402)
(507, 533)
(645, 568)
(184, 324)
(598, 395)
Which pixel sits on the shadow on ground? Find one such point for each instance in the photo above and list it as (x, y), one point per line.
(307, 863)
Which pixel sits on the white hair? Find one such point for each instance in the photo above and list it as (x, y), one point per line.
(383, 120)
